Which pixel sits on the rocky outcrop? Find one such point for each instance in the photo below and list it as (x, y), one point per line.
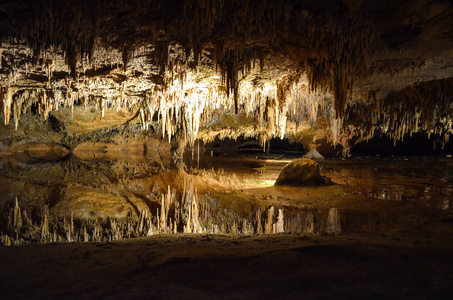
(301, 172)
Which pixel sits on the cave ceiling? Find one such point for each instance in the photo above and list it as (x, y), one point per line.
(178, 65)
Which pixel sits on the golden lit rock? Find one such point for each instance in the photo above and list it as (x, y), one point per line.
(301, 172)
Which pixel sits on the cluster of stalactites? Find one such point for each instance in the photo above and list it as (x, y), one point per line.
(334, 43)
(181, 107)
(425, 107)
(336, 52)
(272, 105)
(17, 102)
(184, 102)
(70, 26)
(185, 108)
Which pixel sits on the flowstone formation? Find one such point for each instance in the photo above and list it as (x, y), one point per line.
(316, 72)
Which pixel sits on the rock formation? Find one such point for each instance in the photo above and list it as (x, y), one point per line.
(341, 71)
(301, 172)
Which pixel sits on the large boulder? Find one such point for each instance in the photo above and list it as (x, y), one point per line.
(301, 172)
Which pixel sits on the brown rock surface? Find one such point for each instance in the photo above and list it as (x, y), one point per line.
(41, 151)
(85, 202)
(302, 172)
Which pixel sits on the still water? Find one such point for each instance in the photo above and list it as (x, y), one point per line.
(92, 198)
(427, 180)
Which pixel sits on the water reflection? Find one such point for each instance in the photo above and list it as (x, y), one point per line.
(189, 212)
(428, 180)
(108, 197)
(101, 199)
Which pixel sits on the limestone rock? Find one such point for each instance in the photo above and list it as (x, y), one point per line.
(301, 172)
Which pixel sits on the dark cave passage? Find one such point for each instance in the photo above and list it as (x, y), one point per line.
(417, 144)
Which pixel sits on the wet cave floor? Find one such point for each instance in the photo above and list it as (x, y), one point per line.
(100, 226)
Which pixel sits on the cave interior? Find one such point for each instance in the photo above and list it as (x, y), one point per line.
(229, 149)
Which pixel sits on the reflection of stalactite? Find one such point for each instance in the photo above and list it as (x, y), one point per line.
(6, 240)
(270, 221)
(259, 226)
(279, 227)
(192, 216)
(17, 218)
(45, 229)
(309, 224)
(333, 221)
(165, 222)
(189, 213)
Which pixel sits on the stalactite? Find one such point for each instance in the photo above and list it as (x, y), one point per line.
(125, 56)
(335, 127)
(7, 96)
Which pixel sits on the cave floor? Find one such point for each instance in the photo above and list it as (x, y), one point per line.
(290, 266)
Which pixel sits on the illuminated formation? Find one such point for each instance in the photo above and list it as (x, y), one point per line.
(181, 66)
